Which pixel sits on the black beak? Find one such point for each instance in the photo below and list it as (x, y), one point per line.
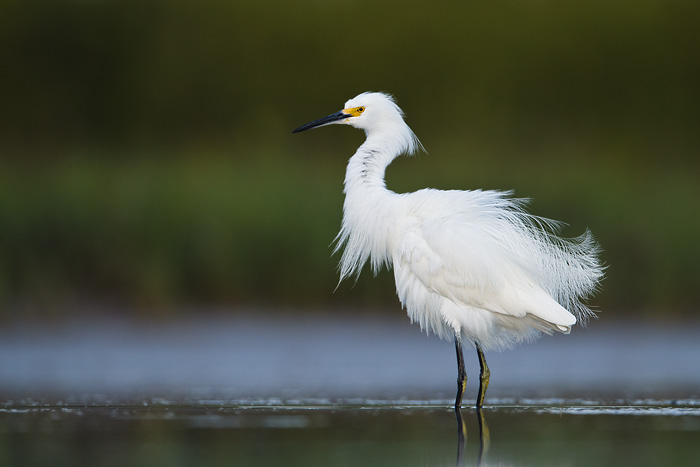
(332, 118)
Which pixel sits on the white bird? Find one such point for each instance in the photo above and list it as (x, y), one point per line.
(472, 266)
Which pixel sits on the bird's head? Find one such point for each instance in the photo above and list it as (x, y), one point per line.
(380, 117)
(367, 111)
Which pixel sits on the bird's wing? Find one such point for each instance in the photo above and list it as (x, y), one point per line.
(466, 256)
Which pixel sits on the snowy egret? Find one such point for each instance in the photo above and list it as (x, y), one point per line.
(472, 266)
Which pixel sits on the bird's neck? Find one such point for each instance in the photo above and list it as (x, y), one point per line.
(366, 169)
(384, 143)
(368, 211)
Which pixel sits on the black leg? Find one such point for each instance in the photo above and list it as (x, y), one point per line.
(462, 373)
(484, 377)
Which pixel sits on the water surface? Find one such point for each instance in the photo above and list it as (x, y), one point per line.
(347, 390)
(540, 433)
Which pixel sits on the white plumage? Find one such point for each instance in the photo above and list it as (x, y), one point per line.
(469, 265)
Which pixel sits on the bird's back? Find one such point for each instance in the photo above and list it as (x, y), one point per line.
(474, 262)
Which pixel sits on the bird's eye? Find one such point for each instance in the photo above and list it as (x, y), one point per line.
(360, 109)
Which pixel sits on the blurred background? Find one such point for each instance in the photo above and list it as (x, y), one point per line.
(147, 165)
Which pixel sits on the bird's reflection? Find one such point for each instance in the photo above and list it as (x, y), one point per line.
(484, 436)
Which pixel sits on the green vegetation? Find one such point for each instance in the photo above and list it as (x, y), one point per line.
(146, 160)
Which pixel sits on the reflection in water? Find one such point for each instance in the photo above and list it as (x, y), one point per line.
(484, 436)
(221, 433)
(461, 436)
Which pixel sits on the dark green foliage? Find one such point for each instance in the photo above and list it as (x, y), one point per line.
(146, 160)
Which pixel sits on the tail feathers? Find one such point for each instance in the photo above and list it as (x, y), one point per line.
(547, 327)
(547, 313)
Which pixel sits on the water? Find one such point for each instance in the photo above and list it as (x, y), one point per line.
(541, 433)
(346, 390)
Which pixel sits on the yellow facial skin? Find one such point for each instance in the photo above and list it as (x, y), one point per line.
(354, 111)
